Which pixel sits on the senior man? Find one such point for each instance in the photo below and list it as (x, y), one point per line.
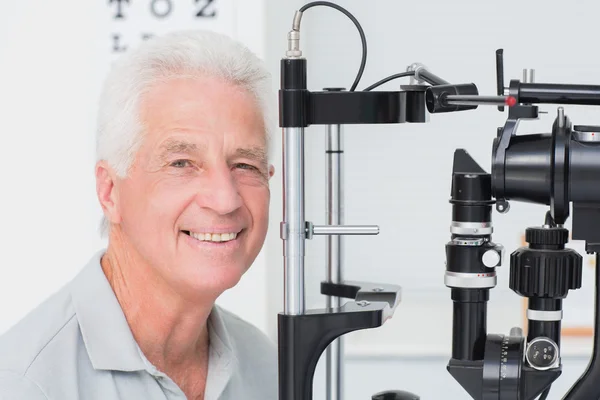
(182, 177)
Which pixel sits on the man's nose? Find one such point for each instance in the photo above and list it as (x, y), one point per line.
(219, 192)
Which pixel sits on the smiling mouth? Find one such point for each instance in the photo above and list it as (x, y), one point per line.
(213, 237)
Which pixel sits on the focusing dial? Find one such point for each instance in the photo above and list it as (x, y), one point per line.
(502, 366)
(545, 268)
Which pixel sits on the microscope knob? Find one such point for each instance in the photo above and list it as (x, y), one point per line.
(546, 236)
(545, 268)
(491, 258)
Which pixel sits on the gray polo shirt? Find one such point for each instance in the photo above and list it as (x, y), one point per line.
(78, 345)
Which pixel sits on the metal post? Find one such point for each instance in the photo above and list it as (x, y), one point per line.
(293, 227)
(334, 152)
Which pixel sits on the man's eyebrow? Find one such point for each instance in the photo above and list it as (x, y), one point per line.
(253, 153)
(177, 146)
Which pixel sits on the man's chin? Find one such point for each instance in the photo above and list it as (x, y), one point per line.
(210, 267)
(207, 277)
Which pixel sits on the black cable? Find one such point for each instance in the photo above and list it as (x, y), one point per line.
(360, 31)
(389, 78)
(544, 394)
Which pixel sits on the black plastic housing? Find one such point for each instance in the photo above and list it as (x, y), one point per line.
(557, 93)
(435, 97)
(300, 107)
(553, 169)
(293, 95)
(303, 338)
(469, 323)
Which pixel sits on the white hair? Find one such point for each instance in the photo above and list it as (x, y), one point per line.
(176, 54)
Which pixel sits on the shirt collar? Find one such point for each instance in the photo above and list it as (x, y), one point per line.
(106, 334)
(222, 359)
(110, 343)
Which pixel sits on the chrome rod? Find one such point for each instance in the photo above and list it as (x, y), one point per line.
(334, 217)
(459, 99)
(293, 230)
(345, 230)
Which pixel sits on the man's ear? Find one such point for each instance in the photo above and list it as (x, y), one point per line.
(271, 171)
(107, 191)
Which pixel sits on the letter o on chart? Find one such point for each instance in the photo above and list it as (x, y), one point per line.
(161, 8)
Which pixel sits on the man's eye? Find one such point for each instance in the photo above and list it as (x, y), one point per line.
(246, 166)
(180, 163)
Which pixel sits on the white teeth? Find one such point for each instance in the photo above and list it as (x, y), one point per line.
(214, 237)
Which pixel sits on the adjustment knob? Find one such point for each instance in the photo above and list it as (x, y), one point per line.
(545, 268)
(491, 258)
(542, 353)
(546, 236)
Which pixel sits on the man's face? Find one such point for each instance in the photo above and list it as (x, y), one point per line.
(195, 204)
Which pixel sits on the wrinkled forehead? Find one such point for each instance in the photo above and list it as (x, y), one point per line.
(203, 107)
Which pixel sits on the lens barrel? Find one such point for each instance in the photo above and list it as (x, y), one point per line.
(471, 259)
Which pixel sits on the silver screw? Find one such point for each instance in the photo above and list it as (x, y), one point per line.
(378, 289)
(561, 117)
(528, 75)
(362, 303)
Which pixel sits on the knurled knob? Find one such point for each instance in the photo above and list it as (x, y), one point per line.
(545, 268)
(553, 236)
(543, 273)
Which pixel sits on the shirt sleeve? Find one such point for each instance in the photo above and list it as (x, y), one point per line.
(16, 386)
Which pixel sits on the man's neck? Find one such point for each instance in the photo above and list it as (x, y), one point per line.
(171, 331)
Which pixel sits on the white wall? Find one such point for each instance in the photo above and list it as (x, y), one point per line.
(398, 176)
